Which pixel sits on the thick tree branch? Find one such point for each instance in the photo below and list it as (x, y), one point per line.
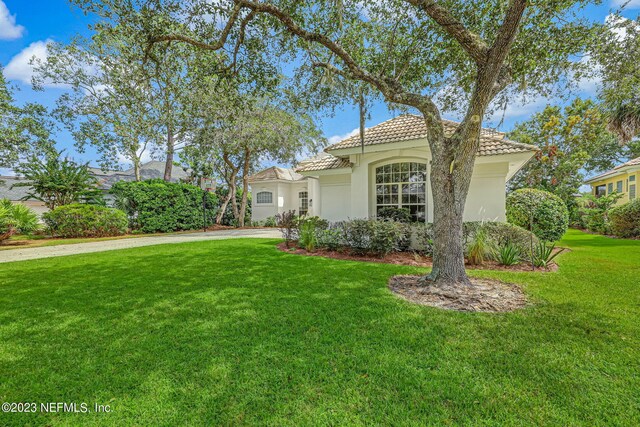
(471, 42)
(202, 45)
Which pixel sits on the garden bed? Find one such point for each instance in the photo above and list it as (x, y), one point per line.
(408, 258)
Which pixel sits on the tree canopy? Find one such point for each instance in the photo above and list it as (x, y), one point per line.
(24, 130)
(573, 140)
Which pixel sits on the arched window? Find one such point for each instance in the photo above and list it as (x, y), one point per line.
(402, 185)
(264, 198)
(303, 204)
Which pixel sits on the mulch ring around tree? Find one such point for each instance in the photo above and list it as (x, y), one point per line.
(484, 295)
(412, 259)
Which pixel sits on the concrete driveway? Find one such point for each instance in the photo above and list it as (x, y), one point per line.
(112, 245)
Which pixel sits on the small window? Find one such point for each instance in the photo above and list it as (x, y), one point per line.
(600, 190)
(632, 192)
(610, 188)
(304, 202)
(264, 198)
(632, 178)
(619, 186)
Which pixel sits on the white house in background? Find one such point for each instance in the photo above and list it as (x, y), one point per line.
(392, 169)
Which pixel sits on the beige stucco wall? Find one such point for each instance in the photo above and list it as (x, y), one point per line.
(351, 195)
(285, 197)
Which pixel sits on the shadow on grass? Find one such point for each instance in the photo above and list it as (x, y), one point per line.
(236, 332)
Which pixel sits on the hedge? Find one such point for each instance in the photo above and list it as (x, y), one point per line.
(79, 220)
(158, 206)
(542, 212)
(625, 219)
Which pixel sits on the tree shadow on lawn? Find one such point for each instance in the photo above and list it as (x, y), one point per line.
(239, 333)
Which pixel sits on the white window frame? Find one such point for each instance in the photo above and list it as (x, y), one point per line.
(258, 202)
(390, 162)
(300, 199)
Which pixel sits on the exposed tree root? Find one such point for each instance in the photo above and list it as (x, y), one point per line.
(485, 295)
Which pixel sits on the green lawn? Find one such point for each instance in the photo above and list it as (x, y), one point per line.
(236, 333)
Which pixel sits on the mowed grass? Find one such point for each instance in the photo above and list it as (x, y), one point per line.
(237, 333)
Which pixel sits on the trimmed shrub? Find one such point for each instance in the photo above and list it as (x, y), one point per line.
(394, 214)
(330, 238)
(369, 236)
(542, 212)
(78, 220)
(158, 206)
(498, 234)
(625, 219)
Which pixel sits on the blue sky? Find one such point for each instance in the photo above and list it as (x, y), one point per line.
(26, 26)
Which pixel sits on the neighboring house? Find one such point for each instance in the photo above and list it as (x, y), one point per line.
(16, 194)
(622, 179)
(393, 170)
(106, 179)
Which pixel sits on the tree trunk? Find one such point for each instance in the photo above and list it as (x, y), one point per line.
(136, 168)
(245, 186)
(448, 209)
(168, 166)
(223, 208)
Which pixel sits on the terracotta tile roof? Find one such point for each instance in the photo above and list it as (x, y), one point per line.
(409, 126)
(323, 161)
(632, 162)
(275, 172)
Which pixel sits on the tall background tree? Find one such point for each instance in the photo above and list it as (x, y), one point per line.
(24, 130)
(238, 132)
(477, 53)
(109, 105)
(617, 55)
(573, 141)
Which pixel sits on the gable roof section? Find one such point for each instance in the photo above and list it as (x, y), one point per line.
(619, 168)
(409, 127)
(276, 173)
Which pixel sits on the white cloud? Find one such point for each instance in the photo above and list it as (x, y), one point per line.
(519, 109)
(337, 138)
(9, 30)
(628, 4)
(19, 67)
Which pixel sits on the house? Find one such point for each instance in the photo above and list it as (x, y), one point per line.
(348, 180)
(106, 179)
(622, 179)
(17, 194)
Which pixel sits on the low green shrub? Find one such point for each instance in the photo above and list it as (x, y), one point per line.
(479, 248)
(158, 206)
(308, 229)
(507, 254)
(497, 234)
(394, 214)
(16, 218)
(79, 220)
(544, 213)
(366, 236)
(330, 238)
(625, 219)
(544, 253)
